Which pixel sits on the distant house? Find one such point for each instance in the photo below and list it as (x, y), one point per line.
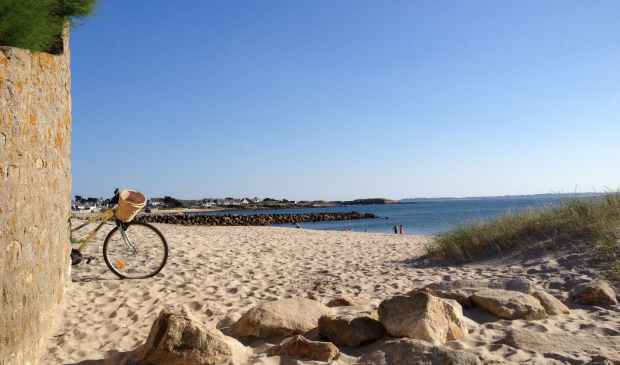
(230, 201)
(208, 202)
(157, 201)
(91, 206)
(256, 200)
(191, 202)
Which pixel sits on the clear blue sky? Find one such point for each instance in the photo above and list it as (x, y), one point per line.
(337, 100)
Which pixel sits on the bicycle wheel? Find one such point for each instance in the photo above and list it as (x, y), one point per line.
(143, 255)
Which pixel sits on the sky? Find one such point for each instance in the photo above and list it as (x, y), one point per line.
(339, 100)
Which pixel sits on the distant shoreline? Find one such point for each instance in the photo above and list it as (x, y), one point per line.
(503, 197)
(229, 209)
(255, 207)
(239, 209)
(86, 213)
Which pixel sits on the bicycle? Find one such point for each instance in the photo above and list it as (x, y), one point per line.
(132, 250)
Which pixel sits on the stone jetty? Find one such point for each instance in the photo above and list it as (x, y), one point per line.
(249, 219)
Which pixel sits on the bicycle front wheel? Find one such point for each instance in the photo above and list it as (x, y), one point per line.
(142, 253)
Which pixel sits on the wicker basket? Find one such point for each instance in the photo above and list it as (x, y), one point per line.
(129, 204)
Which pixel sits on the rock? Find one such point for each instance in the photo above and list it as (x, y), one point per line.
(596, 293)
(278, 351)
(565, 344)
(423, 317)
(509, 304)
(249, 219)
(280, 318)
(462, 296)
(350, 330)
(301, 348)
(347, 302)
(405, 351)
(424, 290)
(522, 285)
(525, 339)
(551, 304)
(463, 283)
(130, 361)
(177, 338)
(604, 360)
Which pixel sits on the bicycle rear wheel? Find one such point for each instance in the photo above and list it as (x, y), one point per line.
(142, 255)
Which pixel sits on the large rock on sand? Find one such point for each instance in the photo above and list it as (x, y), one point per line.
(522, 285)
(551, 304)
(462, 296)
(597, 293)
(347, 302)
(177, 338)
(509, 304)
(565, 344)
(405, 351)
(350, 330)
(424, 317)
(285, 317)
(302, 348)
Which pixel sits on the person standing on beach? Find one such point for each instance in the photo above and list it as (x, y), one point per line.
(401, 229)
(395, 229)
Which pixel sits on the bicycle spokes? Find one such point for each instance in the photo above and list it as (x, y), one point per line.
(128, 242)
(135, 250)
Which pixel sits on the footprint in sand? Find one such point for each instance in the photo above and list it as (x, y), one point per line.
(195, 306)
(104, 300)
(604, 331)
(79, 336)
(536, 327)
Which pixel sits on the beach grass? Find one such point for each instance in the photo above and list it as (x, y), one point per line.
(595, 220)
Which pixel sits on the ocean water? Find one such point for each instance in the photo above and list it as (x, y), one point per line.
(423, 218)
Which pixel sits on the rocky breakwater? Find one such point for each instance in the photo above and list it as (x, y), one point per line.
(249, 219)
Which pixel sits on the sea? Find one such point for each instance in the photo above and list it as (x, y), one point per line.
(427, 217)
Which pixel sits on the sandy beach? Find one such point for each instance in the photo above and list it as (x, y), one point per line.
(219, 273)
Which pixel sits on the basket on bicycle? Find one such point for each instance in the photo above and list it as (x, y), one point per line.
(129, 204)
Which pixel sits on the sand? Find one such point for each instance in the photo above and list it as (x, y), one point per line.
(218, 273)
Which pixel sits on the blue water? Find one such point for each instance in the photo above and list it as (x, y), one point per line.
(427, 218)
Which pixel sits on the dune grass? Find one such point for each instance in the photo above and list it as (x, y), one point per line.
(595, 220)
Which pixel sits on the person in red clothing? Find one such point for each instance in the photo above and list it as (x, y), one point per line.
(401, 229)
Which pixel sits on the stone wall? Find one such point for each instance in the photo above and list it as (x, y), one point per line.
(249, 219)
(35, 188)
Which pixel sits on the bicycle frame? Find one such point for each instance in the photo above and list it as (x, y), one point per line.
(106, 217)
